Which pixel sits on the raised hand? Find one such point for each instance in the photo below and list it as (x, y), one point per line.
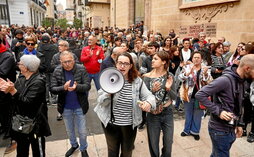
(169, 83)
(156, 86)
(67, 85)
(145, 106)
(73, 87)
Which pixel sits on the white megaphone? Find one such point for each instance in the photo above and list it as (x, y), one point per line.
(111, 80)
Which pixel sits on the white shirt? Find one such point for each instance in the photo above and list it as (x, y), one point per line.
(186, 55)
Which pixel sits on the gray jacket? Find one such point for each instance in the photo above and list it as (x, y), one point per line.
(138, 93)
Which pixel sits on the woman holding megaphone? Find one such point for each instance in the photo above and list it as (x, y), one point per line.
(120, 123)
(160, 82)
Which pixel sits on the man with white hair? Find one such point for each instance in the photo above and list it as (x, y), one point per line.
(86, 34)
(92, 56)
(110, 60)
(62, 46)
(70, 81)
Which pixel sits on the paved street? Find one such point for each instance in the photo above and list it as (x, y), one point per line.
(57, 144)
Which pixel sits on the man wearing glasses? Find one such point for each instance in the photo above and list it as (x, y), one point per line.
(30, 43)
(72, 99)
(62, 46)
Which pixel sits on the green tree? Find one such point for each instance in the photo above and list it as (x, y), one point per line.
(77, 23)
(47, 22)
(62, 23)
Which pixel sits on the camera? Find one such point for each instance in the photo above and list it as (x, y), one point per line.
(220, 68)
(21, 40)
(20, 128)
(233, 121)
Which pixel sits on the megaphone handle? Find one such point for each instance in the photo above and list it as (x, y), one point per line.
(112, 118)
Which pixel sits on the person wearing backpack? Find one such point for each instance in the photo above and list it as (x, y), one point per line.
(225, 123)
(48, 50)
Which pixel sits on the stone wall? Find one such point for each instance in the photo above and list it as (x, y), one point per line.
(121, 13)
(234, 20)
(100, 14)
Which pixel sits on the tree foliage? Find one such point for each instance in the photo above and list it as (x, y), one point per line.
(47, 22)
(62, 23)
(77, 23)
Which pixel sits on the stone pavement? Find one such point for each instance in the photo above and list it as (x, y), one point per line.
(182, 146)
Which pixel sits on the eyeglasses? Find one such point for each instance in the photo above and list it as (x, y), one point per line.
(61, 45)
(67, 62)
(32, 44)
(124, 64)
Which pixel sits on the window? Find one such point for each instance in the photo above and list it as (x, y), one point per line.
(183, 4)
(80, 2)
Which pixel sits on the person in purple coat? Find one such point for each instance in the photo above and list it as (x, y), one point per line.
(225, 123)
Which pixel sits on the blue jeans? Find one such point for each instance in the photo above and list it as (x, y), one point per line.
(95, 78)
(221, 142)
(75, 118)
(193, 118)
(156, 123)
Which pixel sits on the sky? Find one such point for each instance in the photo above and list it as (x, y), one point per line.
(63, 2)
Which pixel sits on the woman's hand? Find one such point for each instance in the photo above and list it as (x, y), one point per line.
(205, 70)
(145, 106)
(156, 86)
(236, 61)
(7, 86)
(167, 104)
(218, 71)
(169, 83)
(173, 65)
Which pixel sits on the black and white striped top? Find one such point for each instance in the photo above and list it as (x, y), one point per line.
(123, 107)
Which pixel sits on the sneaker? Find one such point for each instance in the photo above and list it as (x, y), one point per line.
(244, 133)
(11, 147)
(196, 137)
(250, 137)
(59, 117)
(184, 134)
(71, 151)
(84, 153)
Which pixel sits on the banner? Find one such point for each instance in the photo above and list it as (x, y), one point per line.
(192, 31)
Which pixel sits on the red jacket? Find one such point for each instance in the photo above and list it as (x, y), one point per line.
(92, 62)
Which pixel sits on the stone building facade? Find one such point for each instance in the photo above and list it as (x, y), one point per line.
(97, 13)
(232, 19)
(22, 12)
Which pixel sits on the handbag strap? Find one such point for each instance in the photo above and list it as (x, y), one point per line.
(195, 79)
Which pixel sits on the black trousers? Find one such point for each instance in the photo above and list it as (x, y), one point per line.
(24, 141)
(120, 136)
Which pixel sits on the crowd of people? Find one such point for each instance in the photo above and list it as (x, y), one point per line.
(46, 66)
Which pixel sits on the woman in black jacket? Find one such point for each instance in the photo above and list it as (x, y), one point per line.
(29, 100)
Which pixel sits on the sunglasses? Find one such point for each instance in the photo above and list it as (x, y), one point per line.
(30, 44)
